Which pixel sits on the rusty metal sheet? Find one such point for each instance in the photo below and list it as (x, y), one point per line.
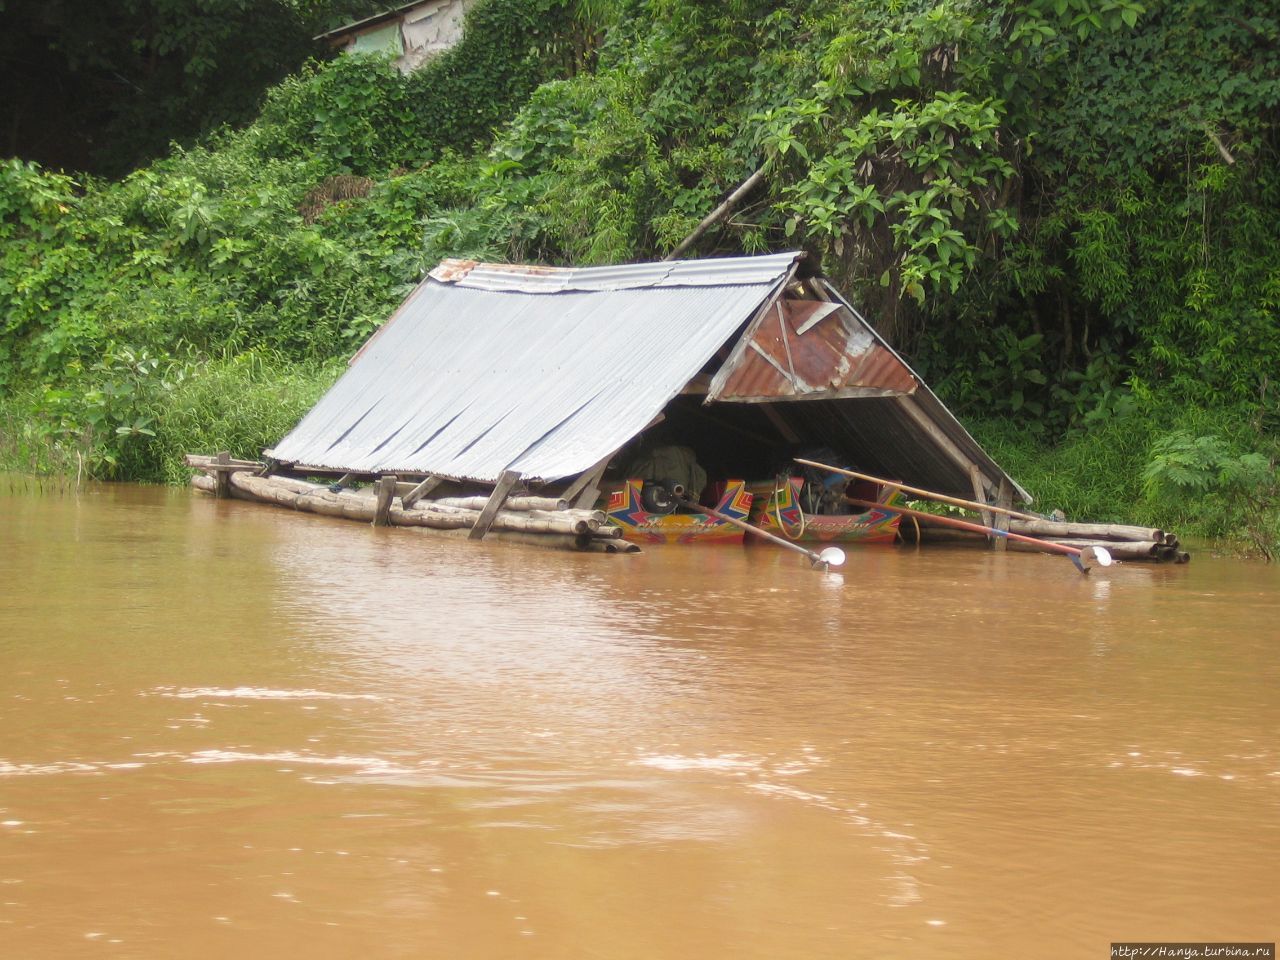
(811, 349)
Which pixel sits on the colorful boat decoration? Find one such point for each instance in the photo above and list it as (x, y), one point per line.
(776, 507)
(762, 504)
(626, 510)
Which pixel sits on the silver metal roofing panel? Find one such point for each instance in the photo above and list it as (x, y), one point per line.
(632, 276)
(469, 381)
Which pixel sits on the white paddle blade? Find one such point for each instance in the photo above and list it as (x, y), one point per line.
(832, 557)
(1103, 556)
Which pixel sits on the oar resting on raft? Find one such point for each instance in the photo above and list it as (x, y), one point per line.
(829, 557)
(1083, 557)
(929, 494)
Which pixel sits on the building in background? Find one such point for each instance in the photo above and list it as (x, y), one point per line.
(413, 33)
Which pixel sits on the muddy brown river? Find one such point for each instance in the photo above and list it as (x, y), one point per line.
(228, 730)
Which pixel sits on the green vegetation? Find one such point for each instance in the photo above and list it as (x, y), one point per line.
(1066, 212)
(107, 86)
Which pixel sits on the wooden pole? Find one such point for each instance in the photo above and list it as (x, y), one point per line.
(505, 483)
(831, 556)
(420, 491)
(980, 496)
(717, 214)
(222, 479)
(386, 496)
(941, 497)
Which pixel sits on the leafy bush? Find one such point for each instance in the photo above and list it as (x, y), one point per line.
(1223, 488)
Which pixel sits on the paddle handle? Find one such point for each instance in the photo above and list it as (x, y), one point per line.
(940, 497)
(974, 527)
(750, 528)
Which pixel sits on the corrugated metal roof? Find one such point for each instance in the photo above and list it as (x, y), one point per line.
(810, 349)
(540, 370)
(506, 277)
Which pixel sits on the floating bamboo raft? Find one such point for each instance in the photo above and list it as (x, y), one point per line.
(540, 521)
(1122, 541)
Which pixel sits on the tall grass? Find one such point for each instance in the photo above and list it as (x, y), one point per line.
(239, 403)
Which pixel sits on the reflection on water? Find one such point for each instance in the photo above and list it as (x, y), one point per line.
(230, 728)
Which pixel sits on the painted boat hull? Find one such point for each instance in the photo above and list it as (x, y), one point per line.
(626, 510)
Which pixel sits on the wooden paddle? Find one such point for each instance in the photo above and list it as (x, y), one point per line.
(829, 557)
(1084, 558)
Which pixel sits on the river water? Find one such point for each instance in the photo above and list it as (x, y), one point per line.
(228, 729)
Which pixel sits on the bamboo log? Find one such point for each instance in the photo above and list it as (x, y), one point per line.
(512, 503)
(1083, 558)
(1119, 549)
(1122, 549)
(298, 486)
(502, 520)
(1099, 531)
(200, 461)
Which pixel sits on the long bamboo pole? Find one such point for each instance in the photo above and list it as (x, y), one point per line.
(941, 497)
(717, 214)
(1082, 557)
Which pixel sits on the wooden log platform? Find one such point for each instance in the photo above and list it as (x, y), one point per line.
(568, 529)
(1122, 541)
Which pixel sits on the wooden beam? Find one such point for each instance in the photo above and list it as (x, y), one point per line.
(222, 479)
(501, 490)
(386, 496)
(1004, 500)
(420, 491)
(979, 492)
(922, 420)
(585, 478)
(784, 428)
(231, 467)
(590, 491)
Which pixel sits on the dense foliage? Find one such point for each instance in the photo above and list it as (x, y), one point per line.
(1066, 212)
(104, 86)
